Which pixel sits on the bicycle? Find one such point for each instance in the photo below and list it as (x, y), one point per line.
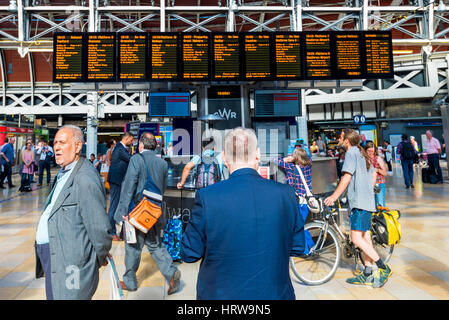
(323, 260)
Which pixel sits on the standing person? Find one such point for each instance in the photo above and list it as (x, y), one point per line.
(359, 177)
(206, 161)
(407, 152)
(170, 150)
(381, 172)
(28, 168)
(44, 154)
(299, 160)
(387, 150)
(141, 164)
(244, 229)
(363, 140)
(340, 161)
(414, 143)
(92, 158)
(321, 145)
(7, 161)
(110, 145)
(72, 239)
(117, 170)
(433, 151)
(314, 147)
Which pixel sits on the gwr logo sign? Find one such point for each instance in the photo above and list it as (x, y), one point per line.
(226, 113)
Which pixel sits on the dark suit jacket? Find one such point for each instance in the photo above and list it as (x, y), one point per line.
(119, 163)
(136, 178)
(245, 229)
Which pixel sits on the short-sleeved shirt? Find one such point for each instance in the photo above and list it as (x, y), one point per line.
(432, 146)
(388, 154)
(360, 189)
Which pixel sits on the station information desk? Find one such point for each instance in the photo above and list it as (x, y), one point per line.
(180, 202)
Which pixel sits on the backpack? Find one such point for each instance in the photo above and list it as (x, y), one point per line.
(172, 237)
(207, 172)
(387, 228)
(408, 151)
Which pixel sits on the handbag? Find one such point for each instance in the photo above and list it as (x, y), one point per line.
(149, 209)
(313, 203)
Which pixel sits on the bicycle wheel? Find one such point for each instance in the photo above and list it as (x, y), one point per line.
(320, 265)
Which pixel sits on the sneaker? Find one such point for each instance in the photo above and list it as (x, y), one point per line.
(361, 279)
(175, 282)
(381, 276)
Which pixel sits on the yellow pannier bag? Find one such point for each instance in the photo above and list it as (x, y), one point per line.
(387, 227)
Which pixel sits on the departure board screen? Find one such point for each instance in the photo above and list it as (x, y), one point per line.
(195, 56)
(164, 56)
(132, 56)
(288, 56)
(68, 57)
(226, 56)
(348, 55)
(277, 103)
(257, 56)
(101, 57)
(318, 55)
(169, 104)
(378, 53)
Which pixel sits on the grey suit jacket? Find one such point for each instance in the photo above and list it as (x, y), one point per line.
(136, 178)
(78, 229)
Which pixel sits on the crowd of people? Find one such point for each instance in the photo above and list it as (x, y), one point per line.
(271, 214)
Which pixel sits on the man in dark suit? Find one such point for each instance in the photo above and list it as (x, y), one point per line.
(119, 164)
(244, 229)
(134, 183)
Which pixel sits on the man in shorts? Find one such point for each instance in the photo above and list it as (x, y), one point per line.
(359, 177)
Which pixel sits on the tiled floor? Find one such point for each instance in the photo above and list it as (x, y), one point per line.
(420, 263)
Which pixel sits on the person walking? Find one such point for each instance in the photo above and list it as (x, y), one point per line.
(28, 168)
(433, 151)
(407, 152)
(72, 238)
(387, 150)
(381, 172)
(44, 154)
(244, 229)
(359, 177)
(117, 170)
(7, 161)
(142, 164)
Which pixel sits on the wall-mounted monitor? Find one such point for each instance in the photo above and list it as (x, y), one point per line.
(169, 104)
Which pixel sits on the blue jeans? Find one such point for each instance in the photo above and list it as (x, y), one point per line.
(407, 168)
(304, 211)
(44, 165)
(380, 197)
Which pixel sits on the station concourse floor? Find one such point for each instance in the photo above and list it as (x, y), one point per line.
(420, 263)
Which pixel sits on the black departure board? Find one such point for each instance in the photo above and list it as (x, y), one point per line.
(288, 56)
(195, 56)
(132, 56)
(101, 56)
(257, 52)
(378, 54)
(222, 56)
(318, 57)
(348, 55)
(226, 56)
(164, 56)
(68, 57)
